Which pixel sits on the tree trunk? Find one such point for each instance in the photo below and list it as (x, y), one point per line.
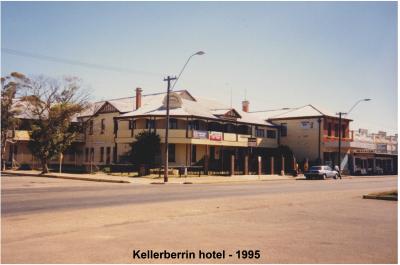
(3, 155)
(45, 168)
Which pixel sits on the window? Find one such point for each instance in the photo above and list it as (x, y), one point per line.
(149, 124)
(108, 155)
(171, 153)
(101, 154)
(194, 125)
(271, 134)
(115, 154)
(336, 130)
(343, 131)
(283, 129)
(329, 129)
(212, 152)
(91, 127)
(173, 123)
(132, 124)
(86, 154)
(103, 125)
(194, 154)
(260, 132)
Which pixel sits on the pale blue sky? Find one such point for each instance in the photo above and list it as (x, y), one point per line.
(285, 54)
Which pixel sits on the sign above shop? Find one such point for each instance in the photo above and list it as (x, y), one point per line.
(306, 124)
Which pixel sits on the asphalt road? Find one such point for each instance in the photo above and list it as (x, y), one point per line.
(68, 221)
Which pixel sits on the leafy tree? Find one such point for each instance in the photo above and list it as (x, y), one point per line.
(146, 148)
(10, 86)
(54, 104)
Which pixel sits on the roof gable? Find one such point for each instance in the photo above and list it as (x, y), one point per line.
(227, 114)
(106, 108)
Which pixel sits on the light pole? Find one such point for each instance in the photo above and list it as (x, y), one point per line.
(184, 66)
(169, 79)
(340, 128)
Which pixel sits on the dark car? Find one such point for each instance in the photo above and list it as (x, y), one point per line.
(321, 172)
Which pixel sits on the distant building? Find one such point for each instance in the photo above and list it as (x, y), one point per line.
(373, 153)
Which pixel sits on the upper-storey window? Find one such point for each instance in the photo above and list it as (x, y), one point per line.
(173, 123)
(336, 130)
(260, 132)
(150, 124)
(344, 131)
(194, 125)
(102, 126)
(329, 129)
(91, 127)
(271, 134)
(283, 129)
(132, 124)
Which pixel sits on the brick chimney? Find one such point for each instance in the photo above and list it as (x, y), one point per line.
(245, 105)
(138, 97)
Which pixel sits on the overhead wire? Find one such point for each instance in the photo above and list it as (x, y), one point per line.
(75, 62)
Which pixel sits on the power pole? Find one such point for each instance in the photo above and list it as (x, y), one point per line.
(340, 140)
(168, 79)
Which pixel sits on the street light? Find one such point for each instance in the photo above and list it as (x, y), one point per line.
(183, 68)
(169, 79)
(340, 128)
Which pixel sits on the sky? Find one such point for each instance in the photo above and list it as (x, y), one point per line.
(274, 54)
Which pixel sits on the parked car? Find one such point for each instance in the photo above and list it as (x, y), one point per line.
(321, 172)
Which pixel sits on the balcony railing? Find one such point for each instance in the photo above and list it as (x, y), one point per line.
(200, 137)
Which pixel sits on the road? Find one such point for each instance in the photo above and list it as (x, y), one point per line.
(67, 221)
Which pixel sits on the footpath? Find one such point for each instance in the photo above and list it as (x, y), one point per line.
(152, 179)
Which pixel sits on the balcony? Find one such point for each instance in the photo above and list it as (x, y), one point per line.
(23, 135)
(181, 136)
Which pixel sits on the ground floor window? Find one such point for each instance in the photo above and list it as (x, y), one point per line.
(108, 155)
(212, 152)
(194, 154)
(86, 154)
(101, 154)
(115, 154)
(171, 153)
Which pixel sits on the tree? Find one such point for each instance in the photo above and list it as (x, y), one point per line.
(54, 104)
(146, 148)
(10, 87)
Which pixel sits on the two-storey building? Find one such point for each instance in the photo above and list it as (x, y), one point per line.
(201, 131)
(312, 134)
